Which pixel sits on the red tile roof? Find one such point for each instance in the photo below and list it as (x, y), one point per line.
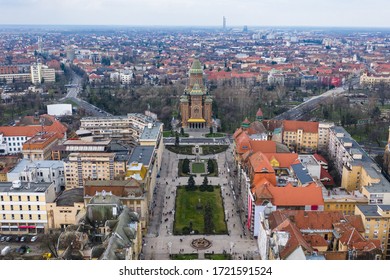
(263, 146)
(285, 159)
(288, 196)
(310, 127)
(295, 240)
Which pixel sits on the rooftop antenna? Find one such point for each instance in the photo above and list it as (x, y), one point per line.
(42, 122)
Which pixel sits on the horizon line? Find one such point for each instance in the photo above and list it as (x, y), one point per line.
(186, 26)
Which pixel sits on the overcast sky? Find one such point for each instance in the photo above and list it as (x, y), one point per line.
(362, 13)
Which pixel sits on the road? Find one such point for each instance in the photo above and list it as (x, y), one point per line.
(313, 103)
(200, 141)
(72, 95)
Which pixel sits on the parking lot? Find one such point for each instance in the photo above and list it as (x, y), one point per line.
(21, 247)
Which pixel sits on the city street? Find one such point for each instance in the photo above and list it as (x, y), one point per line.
(160, 241)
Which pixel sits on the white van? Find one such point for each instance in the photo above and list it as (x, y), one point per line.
(5, 251)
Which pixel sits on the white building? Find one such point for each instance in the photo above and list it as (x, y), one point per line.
(48, 171)
(42, 73)
(323, 135)
(12, 143)
(59, 109)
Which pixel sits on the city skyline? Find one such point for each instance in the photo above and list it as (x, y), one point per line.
(197, 13)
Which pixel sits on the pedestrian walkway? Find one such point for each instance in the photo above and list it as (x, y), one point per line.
(160, 242)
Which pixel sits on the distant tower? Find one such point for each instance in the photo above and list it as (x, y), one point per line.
(224, 23)
(245, 29)
(70, 53)
(40, 44)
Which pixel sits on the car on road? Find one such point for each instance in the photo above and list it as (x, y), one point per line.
(34, 238)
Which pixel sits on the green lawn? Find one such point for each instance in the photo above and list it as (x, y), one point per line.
(184, 257)
(218, 256)
(185, 149)
(180, 169)
(187, 210)
(217, 134)
(214, 149)
(169, 133)
(198, 167)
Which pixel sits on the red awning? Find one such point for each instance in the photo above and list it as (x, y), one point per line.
(23, 227)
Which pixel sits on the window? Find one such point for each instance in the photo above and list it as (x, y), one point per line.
(30, 217)
(28, 198)
(37, 198)
(21, 216)
(39, 216)
(19, 198)
(2, 198)
(12, 216)
(38, 207)
(29, 207)
(10, 198)
(2, 207)
(20, 207)
(12, 207)
(4, 217)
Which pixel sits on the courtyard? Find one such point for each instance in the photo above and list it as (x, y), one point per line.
(190, 211)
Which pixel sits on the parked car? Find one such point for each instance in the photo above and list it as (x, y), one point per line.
(34, 238)
(6, 250)
(17, 238)
(22, 239)
(8, 239)
(3, 238)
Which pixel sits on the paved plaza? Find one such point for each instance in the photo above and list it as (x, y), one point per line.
(160, 242)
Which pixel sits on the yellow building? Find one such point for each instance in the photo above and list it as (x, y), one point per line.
(136, 170)
(341, 200)
(93, 166)
(24, 207)
(67, 209)
(300, 136)
(370, 80)
(376, 220)
(39, 146)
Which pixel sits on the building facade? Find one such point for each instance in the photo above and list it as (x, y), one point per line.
(196, 103)
(300, 136)
(122, 128)
(92, 166)
(24, 207)
(376, 220)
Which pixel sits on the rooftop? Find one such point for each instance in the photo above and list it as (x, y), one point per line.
(24, 163)
(142, 154)
(151, 132)
(302, 173)
(25, 187)
(69, 197)
(369, 210)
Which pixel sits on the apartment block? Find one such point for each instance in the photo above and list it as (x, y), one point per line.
(300, 136)
(127, 129)
(91, 166)
(376, 220)
(24, 207)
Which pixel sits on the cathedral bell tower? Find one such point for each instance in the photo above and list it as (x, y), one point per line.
(196, 103)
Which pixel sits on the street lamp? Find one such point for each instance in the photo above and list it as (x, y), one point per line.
(170, 247)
